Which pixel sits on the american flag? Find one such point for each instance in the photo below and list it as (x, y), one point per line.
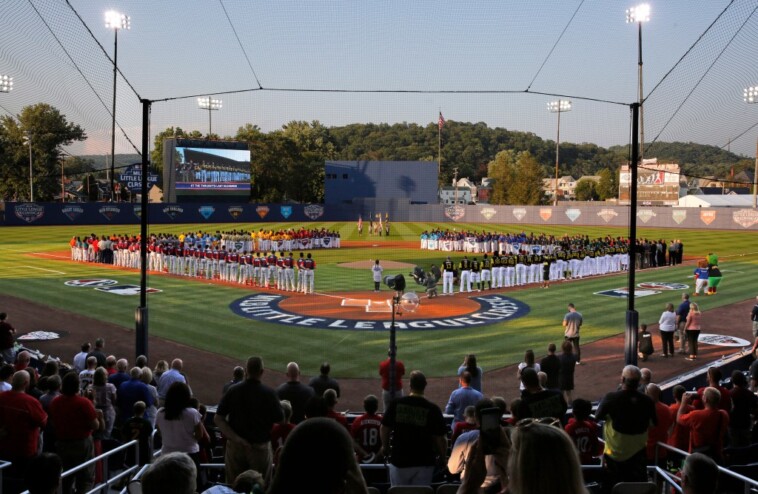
(441, 121)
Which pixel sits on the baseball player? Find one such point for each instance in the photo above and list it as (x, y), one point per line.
(309, 266)
(448, 273)
(465, 268)
(521, 268)
(476, 273)
(271, 272)
(289, 273)
(486, 276)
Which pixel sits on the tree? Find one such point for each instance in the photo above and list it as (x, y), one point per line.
(500, 170)
(586, 190)
(74, 167)
(607, 187)
(48, 131)
(527, 181)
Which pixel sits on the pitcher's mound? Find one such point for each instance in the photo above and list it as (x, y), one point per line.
(368, 264)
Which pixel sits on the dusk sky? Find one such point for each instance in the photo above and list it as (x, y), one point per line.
(188, 48)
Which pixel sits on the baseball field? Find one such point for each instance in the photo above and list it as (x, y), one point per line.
(35, 266)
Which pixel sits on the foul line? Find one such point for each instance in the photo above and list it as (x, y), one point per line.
(48, 255)
(43, 269)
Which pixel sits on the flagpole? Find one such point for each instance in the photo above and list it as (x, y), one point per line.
(439, 147)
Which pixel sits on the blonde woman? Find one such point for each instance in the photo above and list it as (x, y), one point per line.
(692, 329)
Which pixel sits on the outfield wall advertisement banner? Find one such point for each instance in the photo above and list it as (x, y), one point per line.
(22, 214)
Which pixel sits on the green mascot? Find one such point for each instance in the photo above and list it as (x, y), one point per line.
(714, 273)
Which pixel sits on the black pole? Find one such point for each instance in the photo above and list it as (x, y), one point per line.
(113, 119)
(393, 348)
(632, 316)
(141, 313)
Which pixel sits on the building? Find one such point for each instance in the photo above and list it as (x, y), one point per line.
(713, 201)
(450, 195)
(566, 188)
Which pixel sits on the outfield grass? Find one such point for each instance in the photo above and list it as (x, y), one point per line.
(197, 314)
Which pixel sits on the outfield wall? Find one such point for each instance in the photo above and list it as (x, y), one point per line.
(22, 214)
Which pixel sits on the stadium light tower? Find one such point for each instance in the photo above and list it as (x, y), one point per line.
(211, 105)
(751, 96)
(558, 107)
(639, 14)
(6, 84)
(115, 21)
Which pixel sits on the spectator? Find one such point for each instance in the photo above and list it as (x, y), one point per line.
(295, 392)
(469, 364)
(332, 469)
(44, 474)
(628, 414)
(365, 428)
(462, 397)
(282, 429)
(531, 471)
(180, 425)
(528, 363)
(75, 419)
(246, 415)
(645, 345)
(692, 329)
(468, 423)
(7, 354)
(141, 362)
(323, 382)
(680, 434)
(551, 365)
(744, 410)
(700, 475)
(584, 432)
(53, 391)
(707, 427)
(238, 374)
(21, 418)
(418, 436)
(573, 321)
(330, 397)
(110, 365)
(104, 398)
(384, 372)
(138, 428)
(172, 473)
(152, 411)
(80, 359)
(170, 377)
(121, 374)
(248, 482)
(713, 375)
(568, 367)
(681, 318)
(98, 353)
(51, 368)
(464, 444)
(667, 327)
(131, 392)
(23, 362)
(6, 373)
(658, 433)
(539, 402)
(646, 377)
(160, 367)
(87, 376)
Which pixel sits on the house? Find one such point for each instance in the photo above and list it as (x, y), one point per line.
(467, 183)
(484, 191)
(566, 187)
(450, 195)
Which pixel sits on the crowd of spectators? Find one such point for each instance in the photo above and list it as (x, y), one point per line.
(293, 437)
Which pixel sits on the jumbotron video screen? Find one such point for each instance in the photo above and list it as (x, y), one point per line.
(210, 172)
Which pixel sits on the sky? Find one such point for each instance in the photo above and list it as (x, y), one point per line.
(419, 52)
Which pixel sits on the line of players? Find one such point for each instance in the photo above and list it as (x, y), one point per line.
(263, 270)
(507, 270)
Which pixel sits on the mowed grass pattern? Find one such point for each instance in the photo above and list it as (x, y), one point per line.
(196, 313)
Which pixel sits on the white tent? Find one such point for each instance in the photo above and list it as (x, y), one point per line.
(712, 201)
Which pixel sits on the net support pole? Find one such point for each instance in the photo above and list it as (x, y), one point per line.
(632, 317)
(141, 313)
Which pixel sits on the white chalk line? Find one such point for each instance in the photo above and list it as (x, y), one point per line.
(43, 269)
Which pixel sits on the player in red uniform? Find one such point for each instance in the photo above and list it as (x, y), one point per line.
(584, 432)
(365, 429)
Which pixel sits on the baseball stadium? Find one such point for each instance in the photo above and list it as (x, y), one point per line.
(378, 247)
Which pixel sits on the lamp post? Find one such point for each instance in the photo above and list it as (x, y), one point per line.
(211, 105)
(407, 302)
(115, 21)
(28, 139)
(558, 107)
(751, 96)
(639, 14)
(6, 84)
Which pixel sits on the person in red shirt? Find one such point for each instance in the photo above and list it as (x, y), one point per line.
(680, 434)
(74, 419)
(707, 427)
(21, 418)
(330, 397)
(584, 432)
(281, 430)
(658, 433)
(467, 424)
(384, 371)
(714, 381)
(365, 428)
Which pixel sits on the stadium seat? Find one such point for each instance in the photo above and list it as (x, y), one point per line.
(635, 488)
(411, 489)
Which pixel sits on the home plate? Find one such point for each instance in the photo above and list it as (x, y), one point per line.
(370, 305)
(355, 302)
